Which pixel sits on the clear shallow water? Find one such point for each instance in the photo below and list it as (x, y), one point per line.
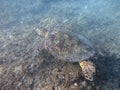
(97, 20)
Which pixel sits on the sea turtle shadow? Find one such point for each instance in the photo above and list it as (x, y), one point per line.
(107, 68)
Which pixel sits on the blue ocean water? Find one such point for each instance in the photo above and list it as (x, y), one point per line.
(97, 20)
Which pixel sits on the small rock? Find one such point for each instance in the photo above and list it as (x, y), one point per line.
(18, 69)
(75, 84)
(1, 69)
(84, 84)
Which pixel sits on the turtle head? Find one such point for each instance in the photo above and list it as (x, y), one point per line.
(88, 69)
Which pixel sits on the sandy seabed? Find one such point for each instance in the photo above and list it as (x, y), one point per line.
(21, 70)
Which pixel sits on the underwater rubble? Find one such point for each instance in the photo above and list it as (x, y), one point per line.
(23, 67)
(20, 70)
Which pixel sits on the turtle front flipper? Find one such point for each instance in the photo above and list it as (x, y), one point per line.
(88, 69)
(40, 42)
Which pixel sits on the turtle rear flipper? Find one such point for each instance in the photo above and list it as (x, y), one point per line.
(41, 32)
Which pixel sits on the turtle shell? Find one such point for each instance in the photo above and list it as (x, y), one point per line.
(68, 46)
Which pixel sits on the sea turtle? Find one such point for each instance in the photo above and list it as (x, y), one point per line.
(71, 47)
